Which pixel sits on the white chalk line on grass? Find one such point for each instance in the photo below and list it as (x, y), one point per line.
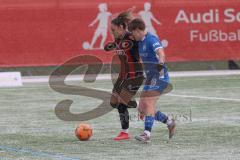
(182, 96)
(37, 153)
(231, 120)
(187, 96)
(203, 97)
(37, 79)
(44, 79)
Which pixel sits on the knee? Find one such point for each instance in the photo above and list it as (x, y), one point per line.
(142, 107)
(143, 104)
(114, 101)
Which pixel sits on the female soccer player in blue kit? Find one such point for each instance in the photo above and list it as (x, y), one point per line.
(157, 79)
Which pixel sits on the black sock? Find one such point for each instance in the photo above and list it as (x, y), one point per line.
(124, 115)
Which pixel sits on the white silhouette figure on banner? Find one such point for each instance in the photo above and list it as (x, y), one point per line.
(102, 29)
(147, 17)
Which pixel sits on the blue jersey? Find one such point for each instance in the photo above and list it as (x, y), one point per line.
(147, 51)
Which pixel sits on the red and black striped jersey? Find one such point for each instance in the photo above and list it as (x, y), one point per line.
(127, 50)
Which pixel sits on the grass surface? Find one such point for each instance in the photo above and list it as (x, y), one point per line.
(29, 128)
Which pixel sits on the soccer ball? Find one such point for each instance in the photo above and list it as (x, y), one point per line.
(83, 132)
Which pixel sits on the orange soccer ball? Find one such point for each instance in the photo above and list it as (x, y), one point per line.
(83, 132)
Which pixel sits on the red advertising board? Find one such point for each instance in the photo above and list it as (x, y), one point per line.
(50, 32)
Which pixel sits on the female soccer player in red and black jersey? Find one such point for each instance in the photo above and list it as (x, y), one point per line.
(131, 73)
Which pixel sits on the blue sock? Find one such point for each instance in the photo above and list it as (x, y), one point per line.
(159, 116)
(148, 123)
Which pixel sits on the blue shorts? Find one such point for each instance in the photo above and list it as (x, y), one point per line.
(155, 81)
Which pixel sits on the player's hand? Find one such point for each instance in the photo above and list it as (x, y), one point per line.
(110, 46)
(160, 67)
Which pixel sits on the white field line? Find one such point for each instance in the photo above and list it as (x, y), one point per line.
(203, 97)
(187, 96)
(36, 79)
(40, 79)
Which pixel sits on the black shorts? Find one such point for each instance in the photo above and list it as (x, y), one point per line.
(130, 85)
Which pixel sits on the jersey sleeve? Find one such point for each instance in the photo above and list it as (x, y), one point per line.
(155, 44)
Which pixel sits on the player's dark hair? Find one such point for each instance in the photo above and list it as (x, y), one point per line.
(122, 19)
(136, 23)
